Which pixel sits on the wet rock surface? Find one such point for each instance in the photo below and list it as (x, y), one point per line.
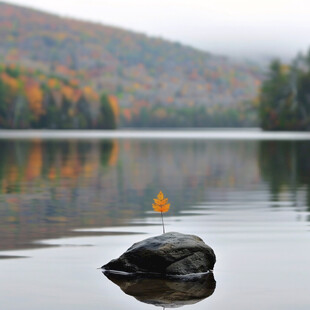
(168, 254)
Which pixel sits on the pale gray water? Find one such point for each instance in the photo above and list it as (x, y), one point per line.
(247, 198)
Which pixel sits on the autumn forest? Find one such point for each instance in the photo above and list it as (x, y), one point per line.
(31, 99)
(63, 73)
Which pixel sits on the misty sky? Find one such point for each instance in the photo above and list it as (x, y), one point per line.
(228, 27)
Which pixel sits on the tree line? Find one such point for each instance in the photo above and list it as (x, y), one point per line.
(32, 99)
(145, 115)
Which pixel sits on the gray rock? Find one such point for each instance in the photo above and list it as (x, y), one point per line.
(168, 254)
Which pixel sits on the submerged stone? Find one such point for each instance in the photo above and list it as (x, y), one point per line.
(168, 254)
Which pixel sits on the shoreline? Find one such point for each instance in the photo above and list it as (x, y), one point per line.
(196, 134)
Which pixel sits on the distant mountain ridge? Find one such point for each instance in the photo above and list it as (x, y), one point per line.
(150, 76)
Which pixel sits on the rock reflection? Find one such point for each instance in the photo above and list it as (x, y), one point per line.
(166, 293)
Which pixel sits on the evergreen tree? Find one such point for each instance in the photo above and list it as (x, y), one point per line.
(51, 119)
(303, 95)
(276, 99)
(3, 107)
(285, 96)
(106, 119)
(83, 118)
(64, 114)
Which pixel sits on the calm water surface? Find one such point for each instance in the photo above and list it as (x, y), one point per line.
(68, 206)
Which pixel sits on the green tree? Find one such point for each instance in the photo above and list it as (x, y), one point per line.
(285, 96)
(276, 98)
(84, 118)
(51, 119)
(106, 119)
(64, 113)
(303, 95)
(3, 107)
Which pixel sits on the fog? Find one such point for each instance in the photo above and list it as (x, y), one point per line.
(238, 28)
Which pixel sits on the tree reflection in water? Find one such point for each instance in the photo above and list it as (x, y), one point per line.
(285, 165)
(49, 188)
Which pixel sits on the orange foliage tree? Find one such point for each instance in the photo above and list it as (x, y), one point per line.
(34, 96)
(114, 105)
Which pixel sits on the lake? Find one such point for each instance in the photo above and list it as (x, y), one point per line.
(72, 201)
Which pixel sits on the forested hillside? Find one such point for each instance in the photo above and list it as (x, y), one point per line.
(156, 82)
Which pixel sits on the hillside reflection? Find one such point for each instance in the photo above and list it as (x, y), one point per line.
(48, 188)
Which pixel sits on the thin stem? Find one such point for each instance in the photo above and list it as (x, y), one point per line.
(162, 220)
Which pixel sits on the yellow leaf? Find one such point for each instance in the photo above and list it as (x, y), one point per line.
(160, 196)
(165, 208)
(156, 207)
(161, 204)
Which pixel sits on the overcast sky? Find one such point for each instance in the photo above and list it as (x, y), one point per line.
(230, 27)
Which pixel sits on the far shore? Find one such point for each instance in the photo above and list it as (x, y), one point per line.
(180, 133)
